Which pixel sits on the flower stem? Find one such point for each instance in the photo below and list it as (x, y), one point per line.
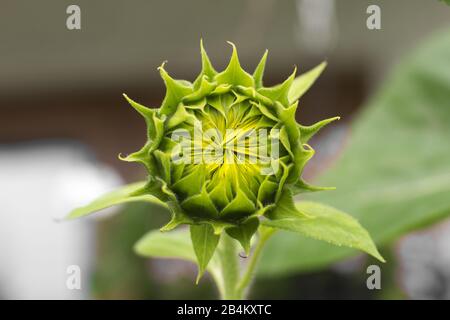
(229, 265)
(243, 284)
(231, 287)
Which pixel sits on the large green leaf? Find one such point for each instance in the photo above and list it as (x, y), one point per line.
(130, 193)
(321, 222)
(394, 176)
(170, 245)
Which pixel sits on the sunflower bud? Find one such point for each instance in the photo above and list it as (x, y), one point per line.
(224, 150)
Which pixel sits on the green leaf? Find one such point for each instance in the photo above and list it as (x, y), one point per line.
(204, 241)
(244, 233)
(303, 82)
(175, 245)
(327, 224)
(394, 176)
(129, 193)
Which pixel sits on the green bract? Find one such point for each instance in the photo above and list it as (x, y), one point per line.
(224, 153)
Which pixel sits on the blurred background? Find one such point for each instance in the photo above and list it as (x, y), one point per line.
(63, 122)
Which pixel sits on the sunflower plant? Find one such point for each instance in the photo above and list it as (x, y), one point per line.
(225, 155)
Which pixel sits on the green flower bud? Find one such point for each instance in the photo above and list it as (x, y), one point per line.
(224, 149)
(225, 153)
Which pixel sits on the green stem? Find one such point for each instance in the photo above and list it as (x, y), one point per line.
(227, 273)
(229, 265)
(242, 286)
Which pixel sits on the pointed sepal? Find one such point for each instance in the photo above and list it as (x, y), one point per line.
(178, 217)
(207, 67)
(302, 186)
(147, 113)
(280, 92)
(285, 208)
(176, 90)
(234, 74)
(204, 241)
(174, 222)
(204, 88)
(303, 82)
(259, 71)
(179, 116)
(141, 156)
(219, 227)
(244, 233)
(307, 132)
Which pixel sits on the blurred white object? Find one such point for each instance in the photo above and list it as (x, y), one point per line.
(316, 27)
(424, 258)
(40, 183)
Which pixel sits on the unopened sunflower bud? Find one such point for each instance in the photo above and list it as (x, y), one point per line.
(224, 149)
